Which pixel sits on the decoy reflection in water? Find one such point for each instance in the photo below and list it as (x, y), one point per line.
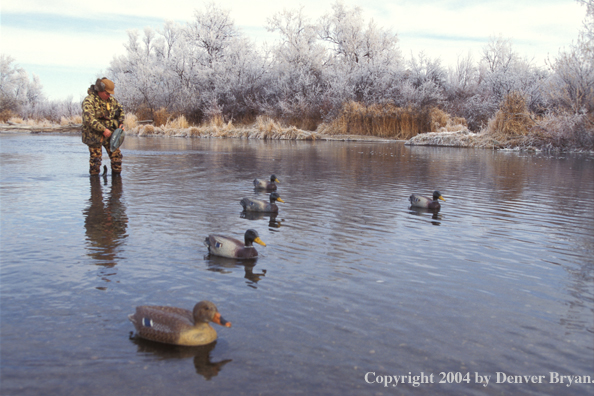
(226, 265)
(260, 205)
(420, 201)
(272, 221)
(421, 211)
(178, 326)
(201, 354)
(224, 246)
(263, 184)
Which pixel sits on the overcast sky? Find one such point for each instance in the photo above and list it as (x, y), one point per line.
(68, 43)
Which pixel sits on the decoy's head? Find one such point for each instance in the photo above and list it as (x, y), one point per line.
(274, 179)
(205, 311)
(252, 236)
(275, 197)
(437, 195)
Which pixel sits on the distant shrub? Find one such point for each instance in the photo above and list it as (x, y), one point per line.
(513, 117)
(161, 116)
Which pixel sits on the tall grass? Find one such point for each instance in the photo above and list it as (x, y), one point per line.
(387, 120)
(512, 119)
(130, 121)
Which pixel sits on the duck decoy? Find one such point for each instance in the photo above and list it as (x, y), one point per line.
(178, 326)
(420, 201)
(260, 205)
(266, 184)
(224, 246)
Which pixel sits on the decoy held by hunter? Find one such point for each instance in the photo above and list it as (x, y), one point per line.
(420, 201)
(178, 326)
(266, 184)
(260, 205)
(224, 246)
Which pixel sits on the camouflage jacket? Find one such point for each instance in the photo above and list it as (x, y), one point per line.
(98, 114)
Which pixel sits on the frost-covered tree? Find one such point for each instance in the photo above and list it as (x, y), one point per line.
(364, 59)
(203, 69)
(18, 94)
(297, 69)
(475, 92)
(571, 89)
(145, 76)
(505, 72)
(572, 82)
(421, 85)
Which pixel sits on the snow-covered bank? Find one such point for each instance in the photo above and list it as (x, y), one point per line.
(484, 140)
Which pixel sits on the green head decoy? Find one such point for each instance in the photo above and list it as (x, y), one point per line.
(260, 205)
(264, 184)
(225, 246)
(420, 201)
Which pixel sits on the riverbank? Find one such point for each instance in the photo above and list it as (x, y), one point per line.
(262, 129)
(265, 128)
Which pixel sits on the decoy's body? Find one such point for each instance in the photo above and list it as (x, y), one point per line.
(259, 205)
(420, 201)
(178, 326)
(264, 184)
(224, 246)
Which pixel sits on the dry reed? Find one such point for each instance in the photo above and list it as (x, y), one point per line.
(389, 121)
(177, 123)
(512, 119)
(130, 121)
(512, 126)
(161, 116)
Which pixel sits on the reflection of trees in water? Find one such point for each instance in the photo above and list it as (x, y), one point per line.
(201, 354)
(226, 265)
(105, 224)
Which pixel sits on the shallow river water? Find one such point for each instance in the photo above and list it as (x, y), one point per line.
(353, 285)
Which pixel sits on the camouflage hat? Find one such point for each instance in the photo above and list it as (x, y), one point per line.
(109, 85)
(117, 138)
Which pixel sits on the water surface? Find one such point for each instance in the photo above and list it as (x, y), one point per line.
(352, 280)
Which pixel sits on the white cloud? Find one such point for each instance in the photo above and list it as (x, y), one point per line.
(55, 48)
(535, 30)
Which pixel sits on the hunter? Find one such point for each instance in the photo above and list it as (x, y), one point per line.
(102, 114)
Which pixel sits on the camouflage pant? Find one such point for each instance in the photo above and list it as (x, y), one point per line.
(96, 156)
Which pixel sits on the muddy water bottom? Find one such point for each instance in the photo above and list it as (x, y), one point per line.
(353, 285)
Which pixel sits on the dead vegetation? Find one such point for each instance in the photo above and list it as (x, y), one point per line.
(512, 127)
(389, 121)
(263, 128)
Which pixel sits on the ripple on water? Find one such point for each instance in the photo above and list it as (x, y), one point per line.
(352, 279)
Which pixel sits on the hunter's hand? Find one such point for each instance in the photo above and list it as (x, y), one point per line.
(107, 133)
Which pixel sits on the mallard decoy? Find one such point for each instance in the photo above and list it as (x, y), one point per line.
(259, 205)
(266, 184)
(171, 325)
(220, 245)
(423, 202)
